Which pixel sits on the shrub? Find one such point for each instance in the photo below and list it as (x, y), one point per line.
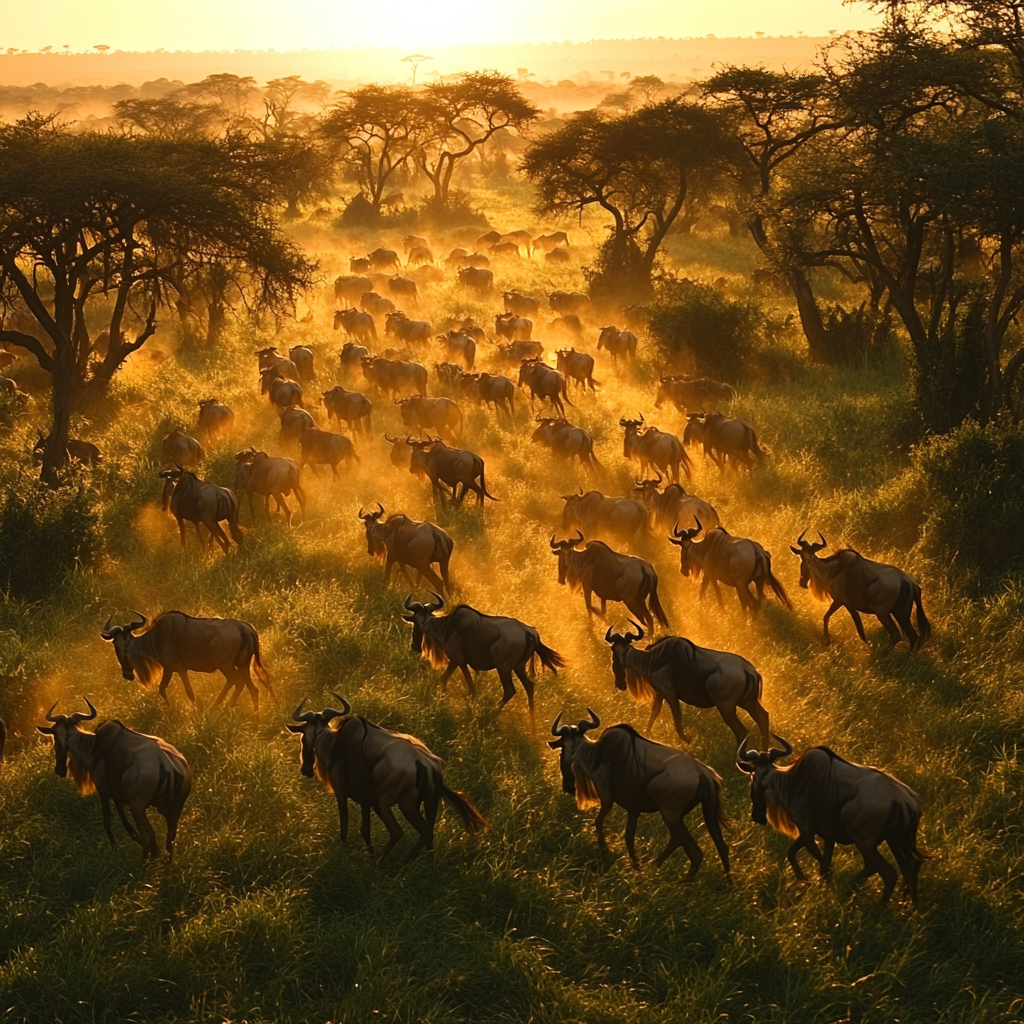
(857, 334)
(45, 535)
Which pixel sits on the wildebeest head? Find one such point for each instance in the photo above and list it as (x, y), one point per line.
(620, 643)
(418, 615)
(170, 478)
(805, 551)
(311, 724)
(63, 726)
(562, 548)
(647, 489)
(418, 457)
(266, 356)
(632, 429)
(121, 637)
(683, 539)
(569, 738)
(693, 433)
(571, 501)
(759, 766)
(374, 540)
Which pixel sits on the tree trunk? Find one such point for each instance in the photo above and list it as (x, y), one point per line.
(818, 346)
(55, 455)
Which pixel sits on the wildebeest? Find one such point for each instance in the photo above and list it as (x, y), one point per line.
(473, 329)
(398, 325)
(635, 317)
(351, 357)
(6, 359)
(544, 383)
(356, 324)
(404, 289)
(349, 287)
(281, 392)
(270, 477)
(180, 643)
(567, 442)
(726, 439)
(81, 451)
(178, 447)
(612, 576)
(378, 769)
(642, 777)
(567, 327)
(476, 279)
(520, 350)
(467, 639)
(409, 544)
(675, 669)
(493, 389)
(195, 501)
(215, 419)
(459, 347)
(294, 423)
(418, 255)
(735, 561)
(859, 584)
(476, 261)
(597, 516)
(442, 415)
(427, 273)
(401, 453)
(505, 250)
(125, 767)
(577, 365)
(565, 303)
(491, 237)
(520, 239)
(351, 406)
(359, 264)
(821, 794)
(618, 344)
(558, 256)
(456, 256)
(513, 327)
(653, 447)
(302, 357)
(269, 357)
(375, 305)
(686, 394)
(548, 242)
(383, 259)
(521, 305)
(674, 505)
(411, 241)
(324, 448)
(449, 375)
(436, 462)
(395, 376)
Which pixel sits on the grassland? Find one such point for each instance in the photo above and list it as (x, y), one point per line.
(265, 916)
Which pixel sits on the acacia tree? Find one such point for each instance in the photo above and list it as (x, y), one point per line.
(459, 115)
(641, 169)
(94, 225)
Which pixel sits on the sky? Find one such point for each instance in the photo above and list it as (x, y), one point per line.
(416, 24)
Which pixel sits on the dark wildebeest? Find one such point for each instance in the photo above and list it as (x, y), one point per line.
(567, 442)
(404, 290)
(476, 279)
(375, 305)
(421, 415)
(577, 365)
(359, 264)
(676, 670)
(544, 383)
(459, 346)
(294, 423)
(398, 325)
(419, 255)
(215, 419)
(378, 769)
(618, 344)
(558, 256)
(520, 350)
(493, 389)
(180, 643)
(546, 243)
(436, 462)
(821, 794)
(473, 329)
(302, 357)
(349, 288)
(282, 393)
(476, 261)
(597, 569)
(635, 318)
(411, 241)
(395, 376)
(521, 305)
(674, 505)
(324, 448)
(567, 327)
(351, 406)
(597, 516)
(356, 324)
(351, 357)
(520, 239)
(686, 394)
(384, 259)
(653, 447)
(489, 238)
(270, 477)
(467, 639)
(566, 303)
(409, 544)
(642, 777)
(513, 327)
(177, 448)
(269, 357)
(858, 584)
(81, 451)
(125, 767)
(195, 501)
(456, 257)
(735, 561)
(504, 250)
(726, 439)
(449, 375)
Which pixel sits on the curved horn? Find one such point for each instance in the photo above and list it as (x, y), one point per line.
(80, 716)
(608, 635)
(554, 725)
(49, 714)
(407, 605)
(578, 539)
(776, 754)
(139, 623)
(298, 714)
(800, 539)
(344, 703)
(440, 602)
(639, 635)
(380, 506)
(824, 543)
(359, 514)
(592, 724)
(659, 476)
(105, 631)
(641, 417)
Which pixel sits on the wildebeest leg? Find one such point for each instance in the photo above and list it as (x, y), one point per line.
(181, 530)
(791, 853)
(187, 683)
(902, 615)
(890, 627)
(832, 609)
(680, 836)
(432, 578)
(757, 712)
(409, 806)
(364, 829)
(172, 832)
(283, 506)
(602, 843)
(395, 832)
(508, 688)
(855, 615)
(228, 683)
(105, 807)
(148, 836)
(127, 824)
(718, 592)
(829, 846)
(655, 711)
(875, 863)
(342, 799)
(677, 717)
(218, 534)
(164, 680)
(908, 864)
(731, 719)
(528, 686)
(632, 817)
(446, 675)
(468, 676)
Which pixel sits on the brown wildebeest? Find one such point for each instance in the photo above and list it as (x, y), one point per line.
(618, 344)
(356, 324)
(686, 394)
(294, 423)
(558, 256)
(597, 569)
(378, 769)
(676, 670)
(180, 643)
(398, 325)
(81, 451)
(395, 376)
(351, 357)
(269, 357)
(427, 274)
(640, 776)
(726, 439)
(476, 261)
(520, 239)
(178, 448)
(456, 256)
(579, 366)
(653, 447)
(125, 767)
(359, 264)
(858, 584)
(324, 448)
(489, 238)
(419, 255)
(436, 462)
(597, 516)
(351, 406)
(473, 329)
(513, 327)
(409, 544)
(735, 561)
(821, 794)
(520, 350)
(544, 383)
(449, 375)
(567, 442)
(476, 279)
(215, 419)
(195, 501)
(521, 305)
(674, 505)
(635, 318)
(349, 287)
(302, 357)
(459, 346)
(548, 242)
(270, 477)
(375, 305)
(504, 250)
(404, 290)
(384, 259)
(567, 327)
(421, 415)
(493, 389)
(401, 453)
(467, 639)
(411, 241)
(281, 392)
(565, 303)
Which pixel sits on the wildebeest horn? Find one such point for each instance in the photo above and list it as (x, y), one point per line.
(302, 716)
(49, 714)
(776, 754)
(408, 605)
(80, 716)
(138, 623)
(344, 703)
(592, 724)
(555, 731)
(800, 539)
(106, 632)
(553, 543)
(389, 438)
(742, 757)
(608, 635)
(639, 635)
(440, 602)
(824, 543)
(381, 507)
(578, 539)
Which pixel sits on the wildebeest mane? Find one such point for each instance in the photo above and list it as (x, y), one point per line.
(816, 782)
(112, 751)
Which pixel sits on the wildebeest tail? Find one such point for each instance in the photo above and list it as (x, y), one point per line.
(656, 610)
(777, 588)
(473, 820)
(549, 658)
(901, 833)
(483, 487)
(924, 627)
(711, 802)
(237, 533)
(257, 662)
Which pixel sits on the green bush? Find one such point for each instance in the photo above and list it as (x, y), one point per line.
(975, 481)
(45, 535)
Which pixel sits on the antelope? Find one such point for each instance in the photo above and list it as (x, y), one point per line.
(351, 406)
(567, 442)
(435, 461)
(270, 477)
(409, 544)
(215, 419)
(674, 505)
(579, 366)
(195, 501)
(656, 448)
(544, 383)
(595, 515)
(727, 440)
(687, 394)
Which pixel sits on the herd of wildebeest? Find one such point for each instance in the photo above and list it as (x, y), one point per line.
(820, 795)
